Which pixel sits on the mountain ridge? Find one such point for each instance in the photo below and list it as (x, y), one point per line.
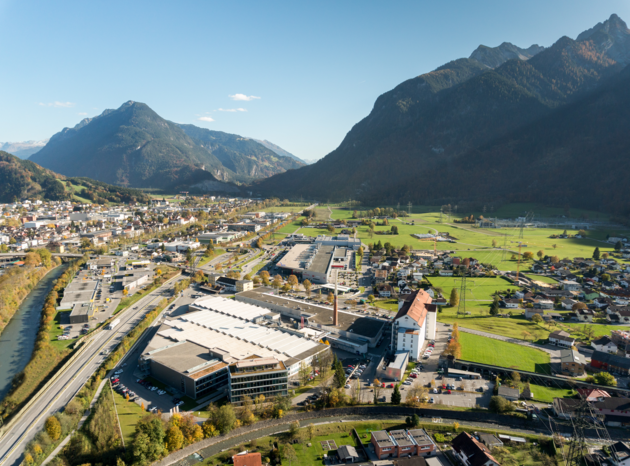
(134, 146)
(435, 123)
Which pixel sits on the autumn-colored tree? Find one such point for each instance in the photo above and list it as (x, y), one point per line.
(53, 428)
(174, 438)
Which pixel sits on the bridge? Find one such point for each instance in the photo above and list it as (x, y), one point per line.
(10, 255)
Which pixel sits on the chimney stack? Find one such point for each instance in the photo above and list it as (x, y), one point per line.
(335, 309)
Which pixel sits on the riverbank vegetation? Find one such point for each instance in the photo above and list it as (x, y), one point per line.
(17, 282)
(82, 445)
(46, 358)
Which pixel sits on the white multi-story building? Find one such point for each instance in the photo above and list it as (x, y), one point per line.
(414, 323)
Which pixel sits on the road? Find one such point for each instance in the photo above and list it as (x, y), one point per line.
(68, 383)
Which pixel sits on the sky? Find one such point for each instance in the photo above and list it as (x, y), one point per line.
(299, 74)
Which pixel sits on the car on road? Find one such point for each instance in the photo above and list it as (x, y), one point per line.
(431, 400)
(347, 386)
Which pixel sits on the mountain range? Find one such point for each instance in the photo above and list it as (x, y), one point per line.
(20, 179)
(541, 124)
(24, 149)
(134, 146)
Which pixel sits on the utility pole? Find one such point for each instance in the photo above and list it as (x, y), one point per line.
(461, 307)
(518, 266)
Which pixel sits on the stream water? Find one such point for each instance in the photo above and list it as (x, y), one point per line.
(18, 337)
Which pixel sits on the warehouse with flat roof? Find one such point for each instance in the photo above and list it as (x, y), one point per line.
(193, 352)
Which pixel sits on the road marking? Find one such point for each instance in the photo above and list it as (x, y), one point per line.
(20, 440)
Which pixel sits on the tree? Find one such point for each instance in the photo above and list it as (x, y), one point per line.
(494, 307)
(225, 418)
(371, 298)
(498, 404)
(53, 428)
(618, 246)
(537, 318)
(294, 428)
(528, 255)
(376, 384)
(540, 254)
(604, 378)
(331, 229)
(454, 299)
(310, 431)
(396, 396)
(340, 375)
(174, 438)
(516, 379)
(289, 454)
(304, 373)
(307, 286)
(455, 426)
(277, 282)
(596, 254)
(209, 430)
(293, 281)
(577, 306)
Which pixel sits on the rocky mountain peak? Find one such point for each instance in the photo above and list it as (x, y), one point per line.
(494, 57)
(612, 37)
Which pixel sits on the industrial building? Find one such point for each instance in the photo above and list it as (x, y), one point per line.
(81, 289)
(415, 322)
(402, 443)
(315, 262)
(204, 351)
(343, 329)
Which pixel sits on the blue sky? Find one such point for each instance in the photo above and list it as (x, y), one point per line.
(300, 74)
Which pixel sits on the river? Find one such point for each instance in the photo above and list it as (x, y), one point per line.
(18, 337)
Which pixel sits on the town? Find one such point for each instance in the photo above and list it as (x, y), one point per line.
(259, 310)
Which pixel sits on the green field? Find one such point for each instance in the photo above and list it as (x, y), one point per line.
(129, 413)
(499, 353)
(547, 394)
(55, 331)
(477, 288)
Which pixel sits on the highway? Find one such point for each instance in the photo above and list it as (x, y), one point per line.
(68, 383)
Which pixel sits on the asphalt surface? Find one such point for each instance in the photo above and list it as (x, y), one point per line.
(12, 444)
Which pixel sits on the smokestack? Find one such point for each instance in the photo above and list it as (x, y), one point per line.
(335, 310)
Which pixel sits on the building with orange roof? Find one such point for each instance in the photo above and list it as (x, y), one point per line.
(414, 323)
(247, 459)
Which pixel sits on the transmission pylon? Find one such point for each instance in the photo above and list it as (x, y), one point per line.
(461, 307)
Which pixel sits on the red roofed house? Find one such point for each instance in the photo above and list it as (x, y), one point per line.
(414, 323)
(593, 394)
(247, 459)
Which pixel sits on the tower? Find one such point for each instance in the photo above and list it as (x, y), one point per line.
(335, 309)
(461, 307)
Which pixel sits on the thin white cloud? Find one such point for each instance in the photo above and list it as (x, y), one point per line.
(231, 110)
(209, 119)
(244, 97)
(58, 104)
(82, 113)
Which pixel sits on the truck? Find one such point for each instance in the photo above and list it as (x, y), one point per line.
(113, 324)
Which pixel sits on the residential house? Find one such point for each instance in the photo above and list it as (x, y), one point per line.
(605, 345)
(472, 452)
(561, 338)
(610, 363)
(510, 303)
(585, 315)
(446, 273)
(347, 454)
(384, 290)
(572, 362)
(593, 394)
(402, 443)
(246, 458)
(567, 303)
(380, 276)
(530, 312)
(570, 285)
